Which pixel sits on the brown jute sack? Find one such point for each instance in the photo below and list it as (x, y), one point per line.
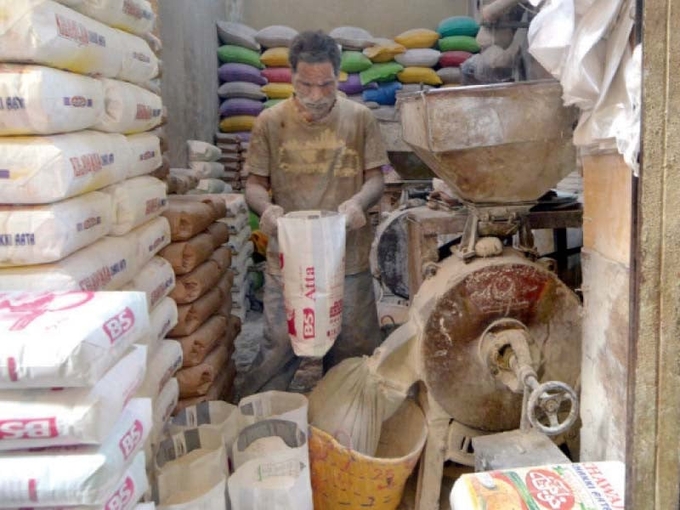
(214, 200)
(185, 256)
(220, 390)
(196, 346)
(222, 256)
(191, 316)
(195, 381)
(191, 286)
(219, 232)
(188, 218)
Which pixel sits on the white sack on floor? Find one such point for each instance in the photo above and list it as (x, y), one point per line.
(207, 169)
(38, 234)
(128, 108)
(135, 16)
(39, 170)
(94, 330)
(136, 201)
(37, 100)
(192, 471)
(202, 151)
(145, 150)
(156, 280)
(83, 475)
(40, 418)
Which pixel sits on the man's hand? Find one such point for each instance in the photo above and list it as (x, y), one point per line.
(268, 219)
(355, 216)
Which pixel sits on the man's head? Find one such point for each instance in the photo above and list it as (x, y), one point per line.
(315, 59)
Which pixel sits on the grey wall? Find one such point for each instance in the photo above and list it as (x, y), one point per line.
(382, 18)
(189, 81)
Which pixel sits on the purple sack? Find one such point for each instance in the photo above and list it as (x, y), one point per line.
(240, 106)
(241, 72)
(353, 86)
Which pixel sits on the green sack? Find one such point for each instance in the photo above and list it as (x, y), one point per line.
(230, 53)
(354, 62)
(459, 43)
(272, 102)
(458, 25)
(386, 71)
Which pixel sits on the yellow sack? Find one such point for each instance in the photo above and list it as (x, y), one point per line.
(417, 38)
(343, 76)
(385, 51)
(278, 90)
(237, 123)
(425, 75)
(275, 57)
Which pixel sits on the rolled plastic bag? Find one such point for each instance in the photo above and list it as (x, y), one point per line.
(312, 254)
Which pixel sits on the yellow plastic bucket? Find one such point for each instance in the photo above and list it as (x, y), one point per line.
(344, 479)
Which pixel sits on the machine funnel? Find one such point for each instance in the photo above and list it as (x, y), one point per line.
(493, 144)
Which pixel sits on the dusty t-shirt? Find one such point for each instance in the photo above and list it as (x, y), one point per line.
(317, 165)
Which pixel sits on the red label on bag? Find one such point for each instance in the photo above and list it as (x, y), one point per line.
(549, 490)
(33, 428)
(119, 324)
(308, 323)
(122, 497)
(131, 439)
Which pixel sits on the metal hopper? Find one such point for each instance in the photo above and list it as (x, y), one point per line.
(500, 144)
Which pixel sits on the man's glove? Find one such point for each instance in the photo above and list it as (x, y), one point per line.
(355, 216)
(268, 219)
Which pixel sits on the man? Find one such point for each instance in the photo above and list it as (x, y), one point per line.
(315, 151)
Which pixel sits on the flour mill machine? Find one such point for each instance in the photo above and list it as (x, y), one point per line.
(497, 333)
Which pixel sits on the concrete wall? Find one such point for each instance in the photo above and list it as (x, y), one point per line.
(607, 216)
(382, 18)
(189, 83)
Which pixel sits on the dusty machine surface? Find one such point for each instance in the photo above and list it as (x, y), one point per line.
(497, 338)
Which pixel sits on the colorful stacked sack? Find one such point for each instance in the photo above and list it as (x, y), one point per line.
(276, 40)
(457, 43)
(420, 57)
(240, 77)
(353, 41)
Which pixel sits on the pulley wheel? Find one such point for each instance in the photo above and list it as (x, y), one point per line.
(453, 308)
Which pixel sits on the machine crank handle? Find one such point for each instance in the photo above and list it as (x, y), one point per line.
(548, 399)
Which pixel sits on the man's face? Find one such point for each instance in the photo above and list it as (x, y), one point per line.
(315, 88)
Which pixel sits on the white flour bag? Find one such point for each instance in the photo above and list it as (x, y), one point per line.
(134, 16)
(84, 475)
(93, 329)
(40, 418)
(312, 254)
(45, 32)
(135, 202)
(38, 234)
(37, 100)
(146, 154)
(156, 279)
(128, 108)
(45, 169)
